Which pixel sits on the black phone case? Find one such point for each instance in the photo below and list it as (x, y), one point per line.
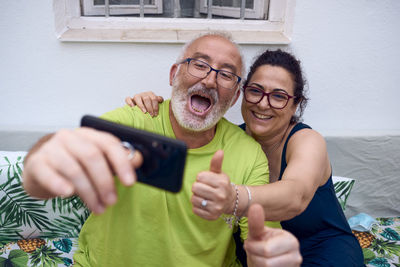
(163, 158)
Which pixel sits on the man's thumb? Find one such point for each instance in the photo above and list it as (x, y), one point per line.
(255, 221)
(216, 161)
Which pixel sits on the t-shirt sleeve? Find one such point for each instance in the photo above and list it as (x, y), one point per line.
(126, 115)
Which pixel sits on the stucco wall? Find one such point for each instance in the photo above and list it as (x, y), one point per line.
(349, 49)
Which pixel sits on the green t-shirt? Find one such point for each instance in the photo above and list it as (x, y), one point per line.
(152, 227)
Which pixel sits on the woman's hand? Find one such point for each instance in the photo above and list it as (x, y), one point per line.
(267, 246)
(147, 102)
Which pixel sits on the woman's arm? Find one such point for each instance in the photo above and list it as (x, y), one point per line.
(307, 168)
(147, 102)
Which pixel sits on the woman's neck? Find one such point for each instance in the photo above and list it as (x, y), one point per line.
(272, 144)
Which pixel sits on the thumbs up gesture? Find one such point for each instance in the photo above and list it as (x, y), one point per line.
(213, 193)
(267, 246)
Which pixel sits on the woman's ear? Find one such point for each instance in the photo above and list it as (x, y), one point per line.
(172, 73)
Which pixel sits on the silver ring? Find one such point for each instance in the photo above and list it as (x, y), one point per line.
(204, 203)
(130, 148)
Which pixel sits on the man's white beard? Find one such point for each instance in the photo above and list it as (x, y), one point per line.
(185, 118)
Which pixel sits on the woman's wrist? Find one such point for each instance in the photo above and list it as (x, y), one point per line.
(244, 200)
(231, 200)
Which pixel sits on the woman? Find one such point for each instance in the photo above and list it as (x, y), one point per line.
(300, 193)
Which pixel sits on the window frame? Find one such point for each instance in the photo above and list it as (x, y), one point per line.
(260, 8)
(72, 27)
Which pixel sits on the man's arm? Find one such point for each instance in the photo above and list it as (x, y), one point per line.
(81, 161)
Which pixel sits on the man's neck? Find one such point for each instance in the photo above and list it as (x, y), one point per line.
(191, 138)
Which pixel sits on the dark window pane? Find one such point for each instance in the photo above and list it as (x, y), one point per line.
(233, 3)
(123, 2)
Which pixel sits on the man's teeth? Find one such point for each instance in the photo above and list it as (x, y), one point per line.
(197, 110)
(261, 116)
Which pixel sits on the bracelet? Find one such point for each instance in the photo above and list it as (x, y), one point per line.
(249, 201)
(233, 220)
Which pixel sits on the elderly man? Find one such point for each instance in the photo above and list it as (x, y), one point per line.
(151, 227)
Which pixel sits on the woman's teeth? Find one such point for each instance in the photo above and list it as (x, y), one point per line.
(261, 116)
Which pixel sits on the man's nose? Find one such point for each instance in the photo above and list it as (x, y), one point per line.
(210, 81)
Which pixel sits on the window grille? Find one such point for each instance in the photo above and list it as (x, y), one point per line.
(210, 9)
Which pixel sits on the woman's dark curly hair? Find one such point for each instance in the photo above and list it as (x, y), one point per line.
(287, 61)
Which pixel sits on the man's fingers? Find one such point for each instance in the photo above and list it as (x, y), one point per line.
(216, 162)
(46, 182)
(255, 221)
(116, 156)
(282, 249)
(290, 260)
(203, 190)
(87, 168)
(137, 159)
(280, 242)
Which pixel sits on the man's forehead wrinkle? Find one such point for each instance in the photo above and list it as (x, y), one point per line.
(201, 55)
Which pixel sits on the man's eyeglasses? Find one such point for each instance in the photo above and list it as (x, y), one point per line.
(276, 100)
(201, 69)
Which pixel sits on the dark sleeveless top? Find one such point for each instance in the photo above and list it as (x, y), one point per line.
(322, 229)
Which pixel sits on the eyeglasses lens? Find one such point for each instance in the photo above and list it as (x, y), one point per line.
(200, 69)
(275, 99)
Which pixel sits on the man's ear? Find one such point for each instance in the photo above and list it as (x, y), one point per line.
(172, 73)
(236, 97)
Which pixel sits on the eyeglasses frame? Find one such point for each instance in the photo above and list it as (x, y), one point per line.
(211, 69)
(265, 94)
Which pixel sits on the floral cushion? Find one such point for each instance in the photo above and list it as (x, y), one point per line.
(33, 231)
(343, 186)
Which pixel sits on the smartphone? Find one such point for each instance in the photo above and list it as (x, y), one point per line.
(163, 157)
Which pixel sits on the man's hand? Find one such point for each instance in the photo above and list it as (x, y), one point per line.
(83, 162)
(214, 189)
(267, 246)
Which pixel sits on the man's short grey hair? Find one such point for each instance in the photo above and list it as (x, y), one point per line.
(225, 35)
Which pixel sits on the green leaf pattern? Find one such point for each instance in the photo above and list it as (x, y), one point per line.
(385, 249)
(343, 189)
(64, 244)
(17, 258)
(58, 221)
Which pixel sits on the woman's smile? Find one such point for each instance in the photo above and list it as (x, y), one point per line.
(261, 116)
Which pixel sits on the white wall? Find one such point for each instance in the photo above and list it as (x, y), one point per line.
(350, 52)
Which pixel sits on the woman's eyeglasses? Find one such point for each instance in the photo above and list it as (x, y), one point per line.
(276, 100)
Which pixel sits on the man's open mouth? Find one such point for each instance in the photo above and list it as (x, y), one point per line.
(200, 104)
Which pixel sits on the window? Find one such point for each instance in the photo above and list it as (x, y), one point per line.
(231, 8)
(121, 7)
(249, 21)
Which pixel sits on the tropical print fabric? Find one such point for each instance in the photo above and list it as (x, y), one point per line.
(38, 252)
(381, 246)
(35, 232)
(343, 186)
